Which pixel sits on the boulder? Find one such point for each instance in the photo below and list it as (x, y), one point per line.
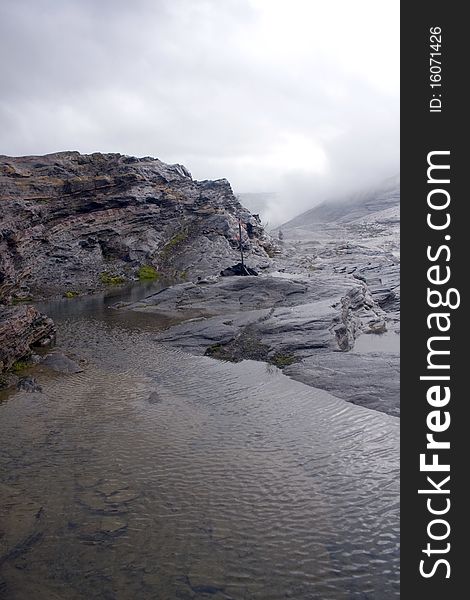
(28, 384)
(238, 270)
(21, 328)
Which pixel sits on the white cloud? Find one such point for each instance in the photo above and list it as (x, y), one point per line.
(298, 97)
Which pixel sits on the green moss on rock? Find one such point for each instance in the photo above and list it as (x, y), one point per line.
(246, 346)
(280, 360)
(22, 300)
(19, 366)
(173, 243)
(109, 279)
(147, 273)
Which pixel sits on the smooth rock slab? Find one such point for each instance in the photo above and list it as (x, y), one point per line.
(367, 379)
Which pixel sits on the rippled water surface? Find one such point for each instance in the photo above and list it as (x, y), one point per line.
(158, 475)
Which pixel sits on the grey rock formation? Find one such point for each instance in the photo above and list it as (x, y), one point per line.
(72, 222)
(370, 219)
(21, 328)
(289, 314)
(291, 321)
(28, 384)
(369, 379)
(328, 313)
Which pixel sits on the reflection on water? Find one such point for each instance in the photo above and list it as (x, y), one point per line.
(100, 306)
(387, 343)
(158, 475)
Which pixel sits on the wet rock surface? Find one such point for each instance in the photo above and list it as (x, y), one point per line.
(325, 291)
(28, 384)
(21, 328)
(239, 269)
(74, 223)
(306, 327)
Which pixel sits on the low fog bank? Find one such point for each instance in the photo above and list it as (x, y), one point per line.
(302, 194)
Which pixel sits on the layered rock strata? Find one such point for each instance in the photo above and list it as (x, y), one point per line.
(73, 223)
(21, 329)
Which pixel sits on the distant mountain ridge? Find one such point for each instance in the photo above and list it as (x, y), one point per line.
(381, 201)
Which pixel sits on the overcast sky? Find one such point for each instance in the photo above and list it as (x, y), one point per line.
(299, 97)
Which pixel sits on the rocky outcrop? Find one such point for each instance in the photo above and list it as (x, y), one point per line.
(307, 325)
(358, 313)
(287, 314)
(327, 314)
(22, 328)
(72, 223)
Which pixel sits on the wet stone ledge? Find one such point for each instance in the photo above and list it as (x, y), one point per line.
(21, 329)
